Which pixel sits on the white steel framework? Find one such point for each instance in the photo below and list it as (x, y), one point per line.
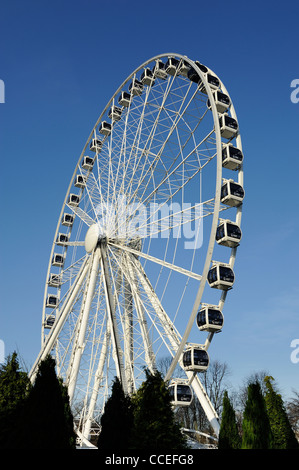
(136, 234)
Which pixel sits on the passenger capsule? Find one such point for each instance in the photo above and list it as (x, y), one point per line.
(115, 113)
(147, 77)
(52, 301)
(180, 394)
(54, 280)
(228, 234)
(193, 75)
(232, 157)
(211, 79)
(232, 193)
(184, 68)
(210, 318)
(228, 126)
(221, 276)
(67, 220)
(50, 320)
(171, 65)
(62, 239)
(159, 70)
(95, 145)
(195, 359)
(124, 99)
(58, 260)
(87, 163)
(222, 101)
(73, 200)
(136, 87)
(105, 128)
(80, 181)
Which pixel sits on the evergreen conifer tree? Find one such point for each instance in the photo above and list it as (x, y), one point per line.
(229, 437)
(154, 422)
(116, 421)
(48, 419)
(283, 435)
(14, 389)
(256, 426)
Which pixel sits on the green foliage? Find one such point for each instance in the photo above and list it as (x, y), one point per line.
(14, 389)
(154, 422)
(49, 422)
(229, 437)
(34, 417)
(256, 426)
(283, 435)
(14, 384)
(117, 420)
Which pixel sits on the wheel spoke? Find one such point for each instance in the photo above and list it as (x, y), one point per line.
(151, 174)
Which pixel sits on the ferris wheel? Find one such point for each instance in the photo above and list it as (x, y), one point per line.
(156, 193)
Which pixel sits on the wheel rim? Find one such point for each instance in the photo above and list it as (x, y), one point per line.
(127, 279)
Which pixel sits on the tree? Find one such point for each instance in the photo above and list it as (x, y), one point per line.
(256, 426)
(229, 437)
(14, 389)
(154, 422)
(48, 419)
(293, 412)
(117, 420)
(283, 435)
(14, 384)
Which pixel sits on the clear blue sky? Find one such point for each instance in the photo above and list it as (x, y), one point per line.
(61, 62)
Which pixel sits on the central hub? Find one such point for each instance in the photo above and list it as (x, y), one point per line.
(93, 237)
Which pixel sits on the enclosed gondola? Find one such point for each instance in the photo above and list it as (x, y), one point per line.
(228, 234)
(54, 280)
(95, 145)
(210, 318)
(52, 301)
(124, 99)
(228, 126)
(212, 80)
(221, 276)
(73, 200)
(87, 163)
(105, 128)
(159, 70)
(184, 68)
(195, 359)
(171, 65)
(192, 73)
(62, 239)
(67, 220)
(232, 193)
(80, 181)
(147, 77)
(222, 101)
(136, 87)
(180, 393)
(232, 157)
(58, 260)
(115, 113)
(50, 320)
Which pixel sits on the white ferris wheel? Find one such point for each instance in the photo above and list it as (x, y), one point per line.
(156, 193)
